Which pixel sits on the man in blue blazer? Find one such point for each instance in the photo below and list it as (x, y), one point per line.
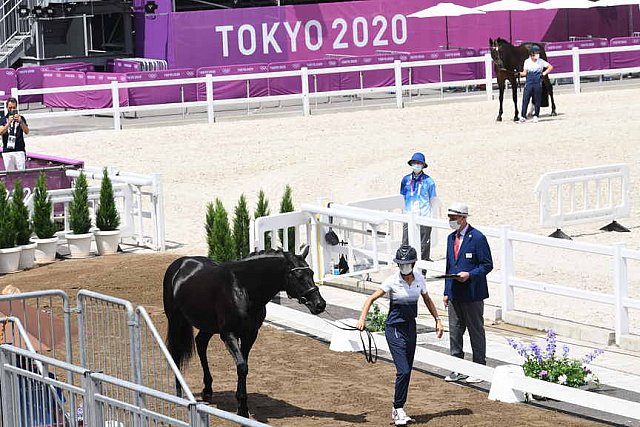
(468, 257)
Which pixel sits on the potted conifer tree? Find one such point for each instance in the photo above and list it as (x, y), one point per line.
(9, 252)
(107, 219)
(22, 227)
(43, 226)
(79, 239)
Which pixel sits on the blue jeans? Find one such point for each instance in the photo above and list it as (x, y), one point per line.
(401, 338)
(535, 90)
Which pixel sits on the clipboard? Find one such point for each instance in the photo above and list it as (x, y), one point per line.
(447, 276)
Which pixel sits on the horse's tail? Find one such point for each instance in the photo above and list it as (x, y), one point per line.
(179, 332)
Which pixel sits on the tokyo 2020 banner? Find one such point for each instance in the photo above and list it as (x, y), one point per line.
(292, 33)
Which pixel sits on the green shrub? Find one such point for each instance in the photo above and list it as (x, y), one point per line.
(376, 319)
(262, 209)
(21, 222)
(286, 205)
(107, 216)
(7, 227)
(43, 225)
(218, 233)
(80, 220)
(241, 222)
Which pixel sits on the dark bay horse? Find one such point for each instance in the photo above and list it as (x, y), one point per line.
(509, 61)
(229, 299)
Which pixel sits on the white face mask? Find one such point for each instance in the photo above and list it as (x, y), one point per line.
(406, 269)
(417, 168)
(454, 225)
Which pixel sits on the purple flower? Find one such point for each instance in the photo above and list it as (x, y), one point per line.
(543, 373)
(565, 351)
(551, 343)
(518, 346)
(535, 350)
(589, 357)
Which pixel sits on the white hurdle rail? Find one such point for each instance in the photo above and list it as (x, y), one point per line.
(503, 239)
(210, 103)
(586, 202)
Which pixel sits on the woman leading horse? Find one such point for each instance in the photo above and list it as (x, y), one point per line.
(509, 62)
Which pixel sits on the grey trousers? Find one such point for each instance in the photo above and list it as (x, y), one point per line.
(463, 316)
(425, 240)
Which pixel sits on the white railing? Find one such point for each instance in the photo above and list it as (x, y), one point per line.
(372, 221)
(210, 103)
(139, 199)
(584, 189)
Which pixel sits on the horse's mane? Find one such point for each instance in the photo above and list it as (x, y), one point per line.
(267, 253)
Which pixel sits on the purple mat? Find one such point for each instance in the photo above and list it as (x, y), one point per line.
(8, 80)
(161, 94)
(625, 59)
(102, 98)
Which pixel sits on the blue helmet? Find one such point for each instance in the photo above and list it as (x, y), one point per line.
(418, 157)
(534, 48)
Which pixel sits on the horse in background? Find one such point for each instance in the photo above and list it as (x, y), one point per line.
(230, 299)
(509, 62)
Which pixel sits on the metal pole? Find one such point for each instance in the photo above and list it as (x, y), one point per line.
(575, 56)
(86, 37)
(398, 80)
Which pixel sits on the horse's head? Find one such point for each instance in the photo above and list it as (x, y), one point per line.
(300, 284)
(496, 52)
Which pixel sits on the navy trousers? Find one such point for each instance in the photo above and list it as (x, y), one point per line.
(401, 338)
(535, 90)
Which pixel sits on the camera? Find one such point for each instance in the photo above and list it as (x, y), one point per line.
(12, 112)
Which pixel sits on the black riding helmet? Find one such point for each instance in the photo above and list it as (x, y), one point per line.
(406, 255)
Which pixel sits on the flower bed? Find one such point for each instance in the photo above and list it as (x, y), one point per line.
(545, 363)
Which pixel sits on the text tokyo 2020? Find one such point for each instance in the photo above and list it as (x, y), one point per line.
(269, 38)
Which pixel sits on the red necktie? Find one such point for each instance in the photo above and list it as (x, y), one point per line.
(456, 246)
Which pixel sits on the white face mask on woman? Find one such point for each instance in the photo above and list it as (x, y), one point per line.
(417, 168)
(406, 269)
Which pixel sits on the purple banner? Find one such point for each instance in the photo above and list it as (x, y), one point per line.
(625, 59)
(30, 78)
(125, 66)
(308, 32)
(564, 64)
(8, 80)
(161, 94)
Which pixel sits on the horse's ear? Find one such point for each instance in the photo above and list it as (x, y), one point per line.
(305, 252)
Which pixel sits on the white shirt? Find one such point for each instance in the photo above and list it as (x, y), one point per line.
(535, 67)
(404, 297)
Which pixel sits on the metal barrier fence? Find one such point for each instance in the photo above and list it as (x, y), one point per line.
(306, 95)
(32, 397)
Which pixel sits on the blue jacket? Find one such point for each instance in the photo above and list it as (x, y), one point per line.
(474, 256)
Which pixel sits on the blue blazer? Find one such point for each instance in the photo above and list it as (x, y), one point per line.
(474, 256)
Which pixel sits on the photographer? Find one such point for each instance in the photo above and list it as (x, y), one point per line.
(13, 128)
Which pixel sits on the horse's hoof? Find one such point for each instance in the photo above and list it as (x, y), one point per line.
(553, 114)
(498, 119)
(207, 395)
(244, 413)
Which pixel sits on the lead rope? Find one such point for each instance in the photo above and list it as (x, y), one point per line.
(369, 349)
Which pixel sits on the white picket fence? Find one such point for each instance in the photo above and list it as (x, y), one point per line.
(584, 195)
(370, 234)
(139, 199)
(306, 94)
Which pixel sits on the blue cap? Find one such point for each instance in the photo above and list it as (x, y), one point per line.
(418, 157)
(534, 48)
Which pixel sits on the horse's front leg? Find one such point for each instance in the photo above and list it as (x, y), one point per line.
(202, 342)
(514, 91)
(242, 368)
(501, 87)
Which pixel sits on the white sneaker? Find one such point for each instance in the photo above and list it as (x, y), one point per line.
(454, 376)
(535, 119)
(472, 380)
(400, 418)
(523, 120)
